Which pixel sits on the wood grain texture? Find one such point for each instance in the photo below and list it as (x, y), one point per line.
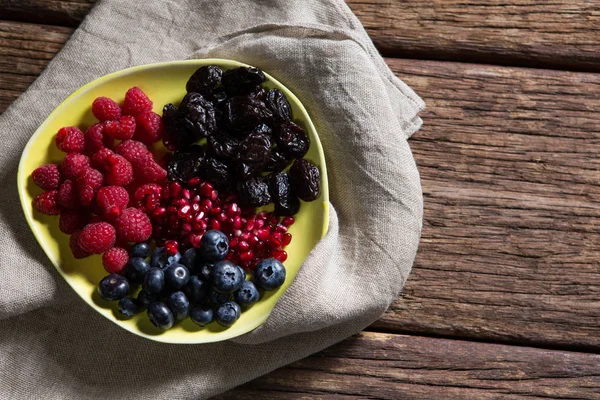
(559, 34)
(385, 366)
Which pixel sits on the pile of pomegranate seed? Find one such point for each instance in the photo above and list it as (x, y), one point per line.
(181, 214)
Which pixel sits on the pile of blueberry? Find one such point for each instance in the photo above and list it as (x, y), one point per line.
(200, 284)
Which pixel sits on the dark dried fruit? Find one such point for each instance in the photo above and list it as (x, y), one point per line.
(254, 192)
(292, 140)
(264, 129)
(204, 80)
(223, 147)
(176, 136)
(246, 171)
(305, 179)
(254, 150)
(218, 96)
(198, 115)
(217, 172)
(243, 79)
(243, 114)
(286, 201)
(258, 93)
(184, 165)
(277, 161)
(278, 104)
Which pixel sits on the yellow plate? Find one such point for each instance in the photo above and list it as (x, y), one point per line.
(164, 83)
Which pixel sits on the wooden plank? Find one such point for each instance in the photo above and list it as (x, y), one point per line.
(559, 34)
(386, 366)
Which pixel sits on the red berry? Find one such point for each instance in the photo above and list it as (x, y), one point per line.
(287, 221)
(76, 249)
(74, 164)
(136, 102)
(67, 196)
(97, 237)
(149, 127)
(71, 220)
(119, 171)
(114, 260)
(133, 226)
(106, 109)
(47, 176)
(171, 247)
(112, 200)
(286, 239)
(70, 140)
(122, 129)
(133, 151)
(147, 197)
(88, 184)
(280, 255)
(96, 140)
(150, 172)
(99, 159)
(46, 203)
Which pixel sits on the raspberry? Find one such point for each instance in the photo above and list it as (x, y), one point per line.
(95, 139)
(106, 109)
(74, 164)
(115, 260)
(133, 226)
(71, 220)
(119, 171)
(47, 176)
(147, 197)
(77, 251)
(149, 127)
(46, 203)
(100, 158)
(133, 150)
(70, 140)
(112, 200)
(136, 102)
(98, 237)
(67, 196)
(122, 129)
(151, 172)
(88, 184)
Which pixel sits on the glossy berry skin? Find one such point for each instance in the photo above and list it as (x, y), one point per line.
(161, 259)
(129, 306)
(201, 315)
(228, 313)
(214, 246)
(140, 250)
(227, 277)
(154, 281)
(242, 272)
(269, 274)
(176, 276)
(247, 294)
(136, 269)
(196, 290)
(144, 299)
(113, 287)
(179, 305)
(191, 259)
(217, 298)
(160, 315)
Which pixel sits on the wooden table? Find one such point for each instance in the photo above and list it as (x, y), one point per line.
(504, 299)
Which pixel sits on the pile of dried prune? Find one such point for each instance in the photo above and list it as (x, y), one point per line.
(250, 139)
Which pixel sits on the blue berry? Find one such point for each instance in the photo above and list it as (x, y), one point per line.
(154, 281)
(242, 272)
(160, 315)
(137, 268)
(140, 250)
(113, 287)
(129, 306)
(247, 294)
(214, 246)
(161, 259)
(196, 289)
(206, 271)
(179, 305)
(227, 277)
(201, 315)
(144, 299)
(176, 276)
(228, 313)
(269, 274)
(191, 259)
(217, 298)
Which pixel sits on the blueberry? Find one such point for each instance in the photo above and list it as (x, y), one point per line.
(113, 287)
(160, 315)
(206, 271)
(201, 315)
(154, 281)
(137, 268)
(177, 276)
(269, 274)
(214, 246)
(140, 250)
(243, 273)
(196, 289)
(247, 294)
(129, 306)
(144, 298)
(191, 259)
(217, 298)
(227, 277)
(228, 313)
(161, 259)
(179, 305)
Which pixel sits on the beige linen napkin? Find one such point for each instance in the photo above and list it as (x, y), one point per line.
(52, 345)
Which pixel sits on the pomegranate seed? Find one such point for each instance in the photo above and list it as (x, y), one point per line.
(165, 192)
(184, 211)
(175, 189)
(171, 246)
(196, 199)
(196, 241)
(280, 228)
(193, 182)
(245, 236)
(243, 245)
(280, 255)
(196, 207)
(206, 189)
(287, 221)
(272, 220)
(252, 241)
(222, 217)
(186, 228)
(274, 242)
(246, 256)
(237, 222)
(206, 203)
(250, 225)
(186, 194)
(214, 195)
(237, 233)
(286, 239)
(214, 224)
(171, 210)
(261, 215)
(263, 234)
(259, 223)
(215, 210)
(278, 236)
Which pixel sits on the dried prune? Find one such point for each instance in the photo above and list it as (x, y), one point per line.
(184, 165)
(223, 146)
(204, 80)
(277, 161)
(245, 171)
(254, 149)
(258, 93)
(176, 136)
(217, 172)
(242, 114)
(291, 140)
(277, 102)
(286, 201)
(254, 192)
(305, 179)
(198, 115)
(218, 96)
(264, 129)
(243, 79)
